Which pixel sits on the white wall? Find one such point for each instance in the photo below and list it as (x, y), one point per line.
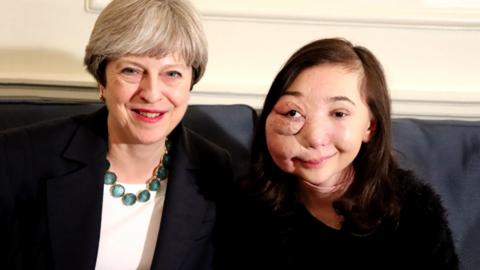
(429, 48)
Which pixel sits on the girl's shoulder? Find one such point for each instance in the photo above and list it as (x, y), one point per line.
(423, 228)
(422, 213)
(417, 196)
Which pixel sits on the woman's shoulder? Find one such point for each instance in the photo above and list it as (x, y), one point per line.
(55, 126)
(40, 143)
(212, 160)
(199, 147)
(50, 132)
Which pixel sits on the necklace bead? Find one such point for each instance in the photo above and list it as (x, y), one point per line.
(117, 190)
(143, 196)
(154, 185)
(109, 178)
(129, 199)
(161, 173)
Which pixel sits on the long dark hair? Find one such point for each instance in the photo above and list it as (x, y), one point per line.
(370, 198)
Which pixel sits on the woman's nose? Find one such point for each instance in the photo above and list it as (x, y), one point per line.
(151, 89)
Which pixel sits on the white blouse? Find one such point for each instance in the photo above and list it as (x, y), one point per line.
(128, 234)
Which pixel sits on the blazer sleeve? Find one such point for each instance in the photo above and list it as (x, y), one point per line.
(6, 195)
(14, 169)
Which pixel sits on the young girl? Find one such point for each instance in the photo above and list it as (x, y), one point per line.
(331, 194)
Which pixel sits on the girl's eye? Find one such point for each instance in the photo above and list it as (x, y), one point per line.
(293, 114)
(340, 114)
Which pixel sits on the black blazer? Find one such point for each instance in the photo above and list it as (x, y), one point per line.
(51, 189)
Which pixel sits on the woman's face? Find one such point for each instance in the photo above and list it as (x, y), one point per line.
(316, 128)
(146, 97)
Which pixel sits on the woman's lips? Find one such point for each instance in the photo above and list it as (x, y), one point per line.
(149, 116)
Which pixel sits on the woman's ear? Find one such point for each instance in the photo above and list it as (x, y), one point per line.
(370, 131)
(101, 96)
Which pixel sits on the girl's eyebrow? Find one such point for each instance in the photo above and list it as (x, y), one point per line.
(293, 93)
(329, 99)
(333, 99)
(340, 98)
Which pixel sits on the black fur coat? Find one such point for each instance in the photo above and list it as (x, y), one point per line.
(420, 239)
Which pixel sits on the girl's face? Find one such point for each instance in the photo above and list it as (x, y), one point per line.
(146, 97)
(316, 128)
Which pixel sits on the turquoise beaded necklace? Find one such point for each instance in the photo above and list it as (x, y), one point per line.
(161, 173)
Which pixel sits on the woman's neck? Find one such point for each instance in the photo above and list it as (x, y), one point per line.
(134, 164)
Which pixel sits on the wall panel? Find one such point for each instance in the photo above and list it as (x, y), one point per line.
(429, 48)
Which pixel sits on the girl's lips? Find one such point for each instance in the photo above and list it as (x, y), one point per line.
(314, 163)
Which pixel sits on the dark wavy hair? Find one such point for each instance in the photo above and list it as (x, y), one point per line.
(370, 199)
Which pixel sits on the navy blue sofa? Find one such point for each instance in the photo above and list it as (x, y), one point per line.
(446, 153)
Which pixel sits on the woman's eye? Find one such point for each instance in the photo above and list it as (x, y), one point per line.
(130, 71)
(174, 74)
(293, 114)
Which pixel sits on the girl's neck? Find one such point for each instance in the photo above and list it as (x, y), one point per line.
(326, 214)
(326, 193)
(318, 200)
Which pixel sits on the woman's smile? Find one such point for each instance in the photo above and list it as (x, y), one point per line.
(149, 116)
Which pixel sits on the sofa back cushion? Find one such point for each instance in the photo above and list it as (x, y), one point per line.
(229, 126)
(446, 153)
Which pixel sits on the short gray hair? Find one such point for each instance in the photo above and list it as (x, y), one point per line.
(149, 28)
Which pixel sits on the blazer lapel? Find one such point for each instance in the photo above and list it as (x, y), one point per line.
(75, 202)
(184, 210)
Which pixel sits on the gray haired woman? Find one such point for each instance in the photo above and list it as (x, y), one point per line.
(91, 191)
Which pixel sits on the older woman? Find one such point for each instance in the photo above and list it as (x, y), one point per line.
(91, 191)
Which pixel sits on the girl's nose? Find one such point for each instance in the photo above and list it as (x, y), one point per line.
(316, 133)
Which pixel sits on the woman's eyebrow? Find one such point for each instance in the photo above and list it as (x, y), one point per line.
(127, 62)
